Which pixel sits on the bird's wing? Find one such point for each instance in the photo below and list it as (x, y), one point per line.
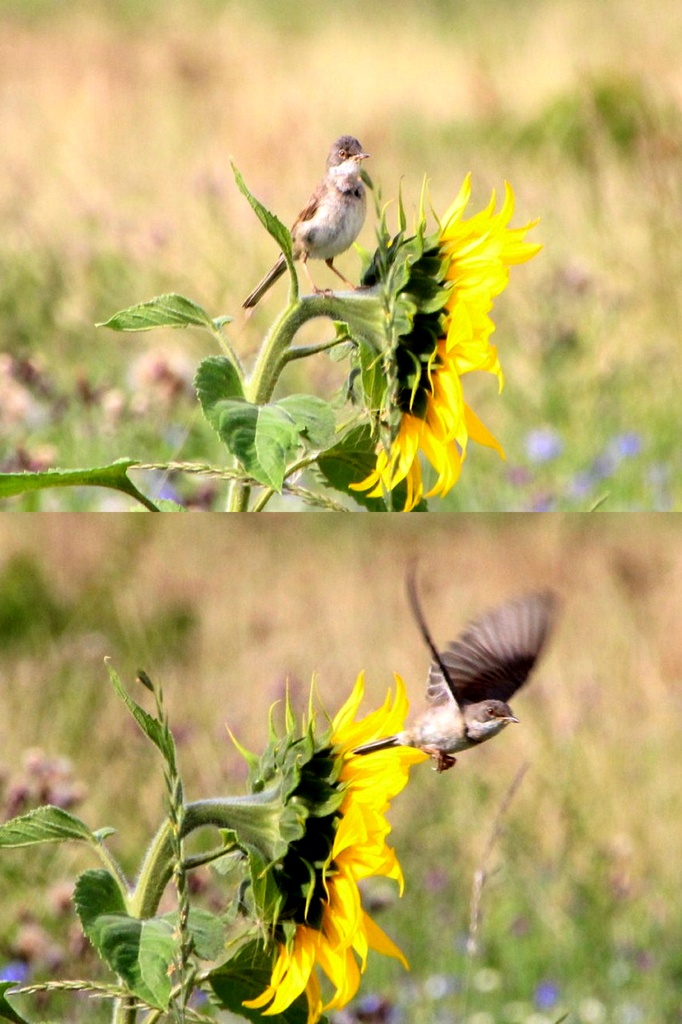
(311, 207)
(495, 654)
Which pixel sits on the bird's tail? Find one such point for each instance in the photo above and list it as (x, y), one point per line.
(261, 288)
(385, 744)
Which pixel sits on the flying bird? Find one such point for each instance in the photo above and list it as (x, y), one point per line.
(471, 682)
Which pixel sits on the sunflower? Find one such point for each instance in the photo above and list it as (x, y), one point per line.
(469, 261)
(337, 934)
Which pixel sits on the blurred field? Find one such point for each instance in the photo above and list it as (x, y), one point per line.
(581, 910)
(118, 120)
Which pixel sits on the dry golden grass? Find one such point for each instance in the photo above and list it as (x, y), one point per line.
(128, 128)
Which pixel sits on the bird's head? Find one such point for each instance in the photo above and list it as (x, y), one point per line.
(346, 150)
(487, 718)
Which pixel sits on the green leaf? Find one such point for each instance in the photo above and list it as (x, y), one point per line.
(113, 476)
(7, 1012)
(270, 222)
(44, 825)
(96, 893)
(150, 726)
(313, 419)
(164, 311)
(216, 378)
(141, 952)
(350, 461)
(263, 438)
(245, 977)
(207, 930)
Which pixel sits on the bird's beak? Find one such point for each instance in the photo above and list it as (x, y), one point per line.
(361, 156)
(512, 718)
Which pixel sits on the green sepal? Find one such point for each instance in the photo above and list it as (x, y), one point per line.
(373, 377)
(289, 720)
(267, 896)
(252, 760)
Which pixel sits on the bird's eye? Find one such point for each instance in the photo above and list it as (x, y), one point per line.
(343, 154)
(491, 712)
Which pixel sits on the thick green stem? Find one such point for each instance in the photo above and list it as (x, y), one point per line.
(277, 344)
(238, 495)
(361, 308)
(237, 813)
(124, 1012)
(154, 876)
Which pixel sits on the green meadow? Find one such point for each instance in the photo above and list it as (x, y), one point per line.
(576, 909)
(118, 122)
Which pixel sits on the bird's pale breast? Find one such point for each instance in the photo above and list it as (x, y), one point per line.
(441, 727)
(334, 227)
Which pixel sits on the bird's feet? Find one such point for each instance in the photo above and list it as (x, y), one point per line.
(443, 761)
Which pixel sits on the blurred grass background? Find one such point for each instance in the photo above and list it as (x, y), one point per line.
(580, 911)
(118, 120)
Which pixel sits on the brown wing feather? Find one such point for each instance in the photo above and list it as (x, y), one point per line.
(310, 209)
(494, 655)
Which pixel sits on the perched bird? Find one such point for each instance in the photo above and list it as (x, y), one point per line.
(470, 683)
(331, 221)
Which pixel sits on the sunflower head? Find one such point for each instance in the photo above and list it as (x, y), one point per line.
(437, 291)
(332, 806)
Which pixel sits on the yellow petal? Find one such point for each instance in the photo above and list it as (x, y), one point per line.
(314, 996)
(291, 973)
(456, 209)
(379, 941)
(341, 968)
(480, 433)
(347, 712)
